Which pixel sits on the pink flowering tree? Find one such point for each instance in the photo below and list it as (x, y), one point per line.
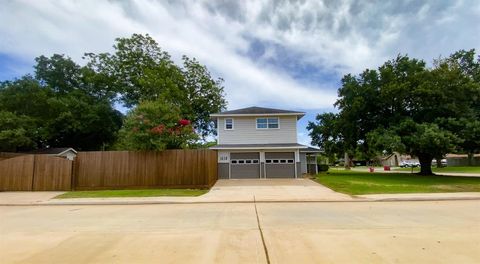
(156, 125)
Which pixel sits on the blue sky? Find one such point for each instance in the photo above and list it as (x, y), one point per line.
(280, 54)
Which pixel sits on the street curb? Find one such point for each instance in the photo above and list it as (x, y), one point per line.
(250, 202)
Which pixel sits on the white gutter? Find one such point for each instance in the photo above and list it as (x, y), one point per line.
(260, 148)
(279, 114)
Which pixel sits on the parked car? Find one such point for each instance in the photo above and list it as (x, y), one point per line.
(409, 164)
(443, 161)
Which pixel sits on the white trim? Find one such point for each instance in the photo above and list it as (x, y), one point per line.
(256, 148)
(267, 128)
(277, 114)
(295, 162)
(296, 159)
(218, 130)
(223, 154)
(225, 124)
(229, 170)
(259, 165)
(69, 149)
(244, 161)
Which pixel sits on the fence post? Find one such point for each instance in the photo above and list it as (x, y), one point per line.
(33, 173)
(72, 175)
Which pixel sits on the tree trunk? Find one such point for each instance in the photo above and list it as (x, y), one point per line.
(439, 162)
(347, 161)
(425, 165)
(470, 158)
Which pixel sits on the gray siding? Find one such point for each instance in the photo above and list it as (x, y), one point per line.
(303, 165)
(223, 170)
(299, 170)
(245, 131)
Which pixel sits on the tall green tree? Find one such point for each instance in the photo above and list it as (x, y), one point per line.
(468, 127)
(406, 106)
(142, 71)
(59, 113)
(17, 133)
(325, 134)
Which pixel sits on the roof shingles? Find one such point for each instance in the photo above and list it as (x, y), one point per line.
(258, 110)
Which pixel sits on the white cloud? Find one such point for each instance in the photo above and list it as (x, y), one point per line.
(304, 139)
(335, 36)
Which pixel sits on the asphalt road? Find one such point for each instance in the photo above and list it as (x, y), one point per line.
(338, 232)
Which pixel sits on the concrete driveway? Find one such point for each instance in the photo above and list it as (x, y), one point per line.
(265, 190)
(379, 232)
(272, 190)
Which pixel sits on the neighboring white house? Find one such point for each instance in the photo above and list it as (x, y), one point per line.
(68, 153)
(257, 142)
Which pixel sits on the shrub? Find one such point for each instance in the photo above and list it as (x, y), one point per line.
(322, 167)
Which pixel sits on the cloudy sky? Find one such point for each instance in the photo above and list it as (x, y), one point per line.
(283, 54)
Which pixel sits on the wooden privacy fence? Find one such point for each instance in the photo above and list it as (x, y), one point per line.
(126, 169)
(35, 173)
(110, 170)
(8, 155)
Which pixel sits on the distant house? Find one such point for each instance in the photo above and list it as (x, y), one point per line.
(394, 159)
(258, 142)
(462, 160)
(68, 153)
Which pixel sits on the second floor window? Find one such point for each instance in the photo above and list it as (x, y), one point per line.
(264, 123)
(228, 123)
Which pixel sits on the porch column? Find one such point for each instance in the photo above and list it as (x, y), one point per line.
(295, 161)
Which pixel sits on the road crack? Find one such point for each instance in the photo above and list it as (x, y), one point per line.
(265, 249)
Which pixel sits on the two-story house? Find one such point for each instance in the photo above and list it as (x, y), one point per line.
(257, 142)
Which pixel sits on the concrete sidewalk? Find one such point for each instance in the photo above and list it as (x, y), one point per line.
(393, 170)
(421, 196)
(26, 198)
(238, 191)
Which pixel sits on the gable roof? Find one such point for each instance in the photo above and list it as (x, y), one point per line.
(255, 110)
(311, 150)
(53, 151)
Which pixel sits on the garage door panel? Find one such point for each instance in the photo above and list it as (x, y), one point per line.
(280, 164)
(245, 171)
(280, 170)
(279, 155)
(245, 165)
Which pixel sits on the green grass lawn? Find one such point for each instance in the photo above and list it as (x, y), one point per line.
(353, 182)
(132, 193)
(466, 169)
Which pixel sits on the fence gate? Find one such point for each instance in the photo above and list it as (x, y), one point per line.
(35, 173)
(16, 174)
(52, 173)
